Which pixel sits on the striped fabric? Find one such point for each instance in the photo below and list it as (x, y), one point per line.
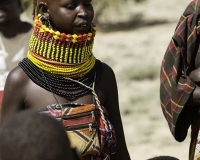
(55, 111)
(181, 57)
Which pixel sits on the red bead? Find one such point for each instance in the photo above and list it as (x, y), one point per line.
(68, 40)
(69, 36)
(50, 35)
(63, 35)
(80, 37)
(61, 39)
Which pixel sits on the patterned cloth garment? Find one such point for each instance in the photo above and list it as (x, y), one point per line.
(181, 57)
(54, 110)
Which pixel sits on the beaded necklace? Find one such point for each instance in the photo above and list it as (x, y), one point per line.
(58, 84)
(49, 50)
(52, 56)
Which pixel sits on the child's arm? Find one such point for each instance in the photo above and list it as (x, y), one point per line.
(13, 100)
(112, 106)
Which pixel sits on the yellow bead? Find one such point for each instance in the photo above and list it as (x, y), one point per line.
(89, 34)
(74, 41)
(56, 37)
(57, 33)
(74, 36)
(51, 31)
(47, 29)
(41, 30)
(43, 27)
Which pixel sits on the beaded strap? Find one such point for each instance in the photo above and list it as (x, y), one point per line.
(97, 101)
(93, 92)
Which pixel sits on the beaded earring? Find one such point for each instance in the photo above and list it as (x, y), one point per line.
(46, 22)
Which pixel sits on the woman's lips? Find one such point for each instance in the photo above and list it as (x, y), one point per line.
(82, 28)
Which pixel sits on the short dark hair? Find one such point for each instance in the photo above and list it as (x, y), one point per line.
(30, 135)
(163, 158)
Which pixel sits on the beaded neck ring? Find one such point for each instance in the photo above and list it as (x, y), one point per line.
(53, 56)
(60, 53)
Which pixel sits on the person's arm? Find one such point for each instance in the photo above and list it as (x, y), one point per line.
(112, 106)
(195, 77)
(13, 96)
(190, 111)
(178, 93)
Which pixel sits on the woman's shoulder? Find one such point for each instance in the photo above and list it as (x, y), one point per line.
(107, 70)
(17, 77)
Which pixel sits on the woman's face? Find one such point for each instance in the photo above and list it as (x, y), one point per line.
(70, 16)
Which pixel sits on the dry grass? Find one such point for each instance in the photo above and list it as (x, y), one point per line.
(135, 55)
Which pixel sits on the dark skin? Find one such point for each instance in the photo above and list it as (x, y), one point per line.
(75, 17)
(195, 98)
(10, 23)
(190, 112)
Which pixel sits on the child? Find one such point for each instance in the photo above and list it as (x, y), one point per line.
(61, 69)
(24, 137)
(163, 158)
(14, 34)
(179, 90)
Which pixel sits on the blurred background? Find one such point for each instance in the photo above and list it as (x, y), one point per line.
(132, 36)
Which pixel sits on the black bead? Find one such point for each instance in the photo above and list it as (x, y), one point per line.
(58, 84)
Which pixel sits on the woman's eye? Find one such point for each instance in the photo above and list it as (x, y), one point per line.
(71, 7)
(87, 4)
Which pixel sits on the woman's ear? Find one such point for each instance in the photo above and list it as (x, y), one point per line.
(43, 10)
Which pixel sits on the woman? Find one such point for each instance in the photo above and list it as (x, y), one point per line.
(60, 56)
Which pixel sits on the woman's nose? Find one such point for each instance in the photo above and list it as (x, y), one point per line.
(82, 11)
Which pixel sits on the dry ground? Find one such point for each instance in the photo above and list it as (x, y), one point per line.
(135, 55)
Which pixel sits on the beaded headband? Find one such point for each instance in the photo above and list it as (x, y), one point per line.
(61, 53)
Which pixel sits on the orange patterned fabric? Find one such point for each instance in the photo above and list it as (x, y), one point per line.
(95, 137)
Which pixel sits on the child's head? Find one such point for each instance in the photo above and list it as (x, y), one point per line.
(32, 136)
(67, 16)
(10, 10)
(163, 158)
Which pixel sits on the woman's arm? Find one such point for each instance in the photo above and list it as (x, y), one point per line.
(112, 106)
(13, 96)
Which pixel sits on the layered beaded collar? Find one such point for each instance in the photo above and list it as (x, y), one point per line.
(54, 58)
(60, 53)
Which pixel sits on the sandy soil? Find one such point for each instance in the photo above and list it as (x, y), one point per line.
(146, 129)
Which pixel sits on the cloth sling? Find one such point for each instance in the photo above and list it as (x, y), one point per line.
(55, 111)
(181, 57)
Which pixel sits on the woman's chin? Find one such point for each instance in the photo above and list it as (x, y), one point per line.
(81, 30)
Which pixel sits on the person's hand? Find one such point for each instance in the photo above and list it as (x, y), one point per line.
(195, 76)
